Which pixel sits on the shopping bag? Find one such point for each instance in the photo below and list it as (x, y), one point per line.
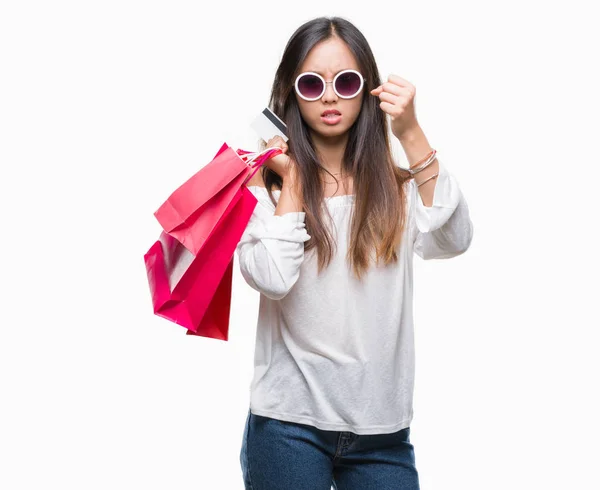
(215, 322)
(194, 291)
(193, 210)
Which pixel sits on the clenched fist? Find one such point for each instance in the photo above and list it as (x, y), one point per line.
(281, 164)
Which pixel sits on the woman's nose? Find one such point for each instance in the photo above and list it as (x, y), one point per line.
(329, 92)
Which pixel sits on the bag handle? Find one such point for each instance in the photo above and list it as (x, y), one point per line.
(257, 159)
(250, 157)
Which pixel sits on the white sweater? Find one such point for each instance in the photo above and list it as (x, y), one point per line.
(331, 351)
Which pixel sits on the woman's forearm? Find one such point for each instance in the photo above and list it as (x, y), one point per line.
(289, 199)
(416, 147)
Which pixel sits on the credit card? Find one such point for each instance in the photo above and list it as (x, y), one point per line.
(267, 125)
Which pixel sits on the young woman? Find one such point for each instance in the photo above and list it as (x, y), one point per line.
(330, 248)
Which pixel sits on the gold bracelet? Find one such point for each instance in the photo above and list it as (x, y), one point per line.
(428, 179)
(429, 158)
(422, 167)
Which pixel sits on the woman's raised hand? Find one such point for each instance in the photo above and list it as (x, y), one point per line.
(281, 164)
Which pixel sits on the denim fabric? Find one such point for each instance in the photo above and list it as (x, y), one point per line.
(277, 455)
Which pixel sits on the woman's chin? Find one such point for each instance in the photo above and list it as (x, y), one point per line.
(327, 131)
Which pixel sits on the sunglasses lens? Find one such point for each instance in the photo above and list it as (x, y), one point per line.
(347, 84)
(310, 86)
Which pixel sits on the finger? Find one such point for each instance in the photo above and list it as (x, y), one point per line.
(392, 88)
(376, 91)
(400, 81)
(387, 107)
(387, 97)
(382, 90)
(277, 141)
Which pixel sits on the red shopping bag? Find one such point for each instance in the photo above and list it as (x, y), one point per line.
(195, 291)
(190, 266)
(192, 211)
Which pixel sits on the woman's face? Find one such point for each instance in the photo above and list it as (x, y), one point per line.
(328, 58)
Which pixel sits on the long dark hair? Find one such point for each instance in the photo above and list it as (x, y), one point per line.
(379, 215)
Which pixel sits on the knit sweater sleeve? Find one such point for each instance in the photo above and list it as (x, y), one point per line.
(271, 248)
(444, 229)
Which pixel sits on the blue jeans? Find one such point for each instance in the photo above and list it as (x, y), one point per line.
(278, 455)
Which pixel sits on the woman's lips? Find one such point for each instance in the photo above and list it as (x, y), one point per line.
(331, 119)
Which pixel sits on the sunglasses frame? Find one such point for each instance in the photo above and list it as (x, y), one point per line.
(362, 83)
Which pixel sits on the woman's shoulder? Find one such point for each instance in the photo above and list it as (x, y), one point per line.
(257, 187)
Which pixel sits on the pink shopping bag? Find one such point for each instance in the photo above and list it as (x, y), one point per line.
(190, 266)
(192, 211)
(195, 291)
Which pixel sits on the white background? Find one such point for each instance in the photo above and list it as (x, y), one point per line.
(107, 107)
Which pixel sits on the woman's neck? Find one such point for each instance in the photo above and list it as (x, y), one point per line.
(331, 151)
